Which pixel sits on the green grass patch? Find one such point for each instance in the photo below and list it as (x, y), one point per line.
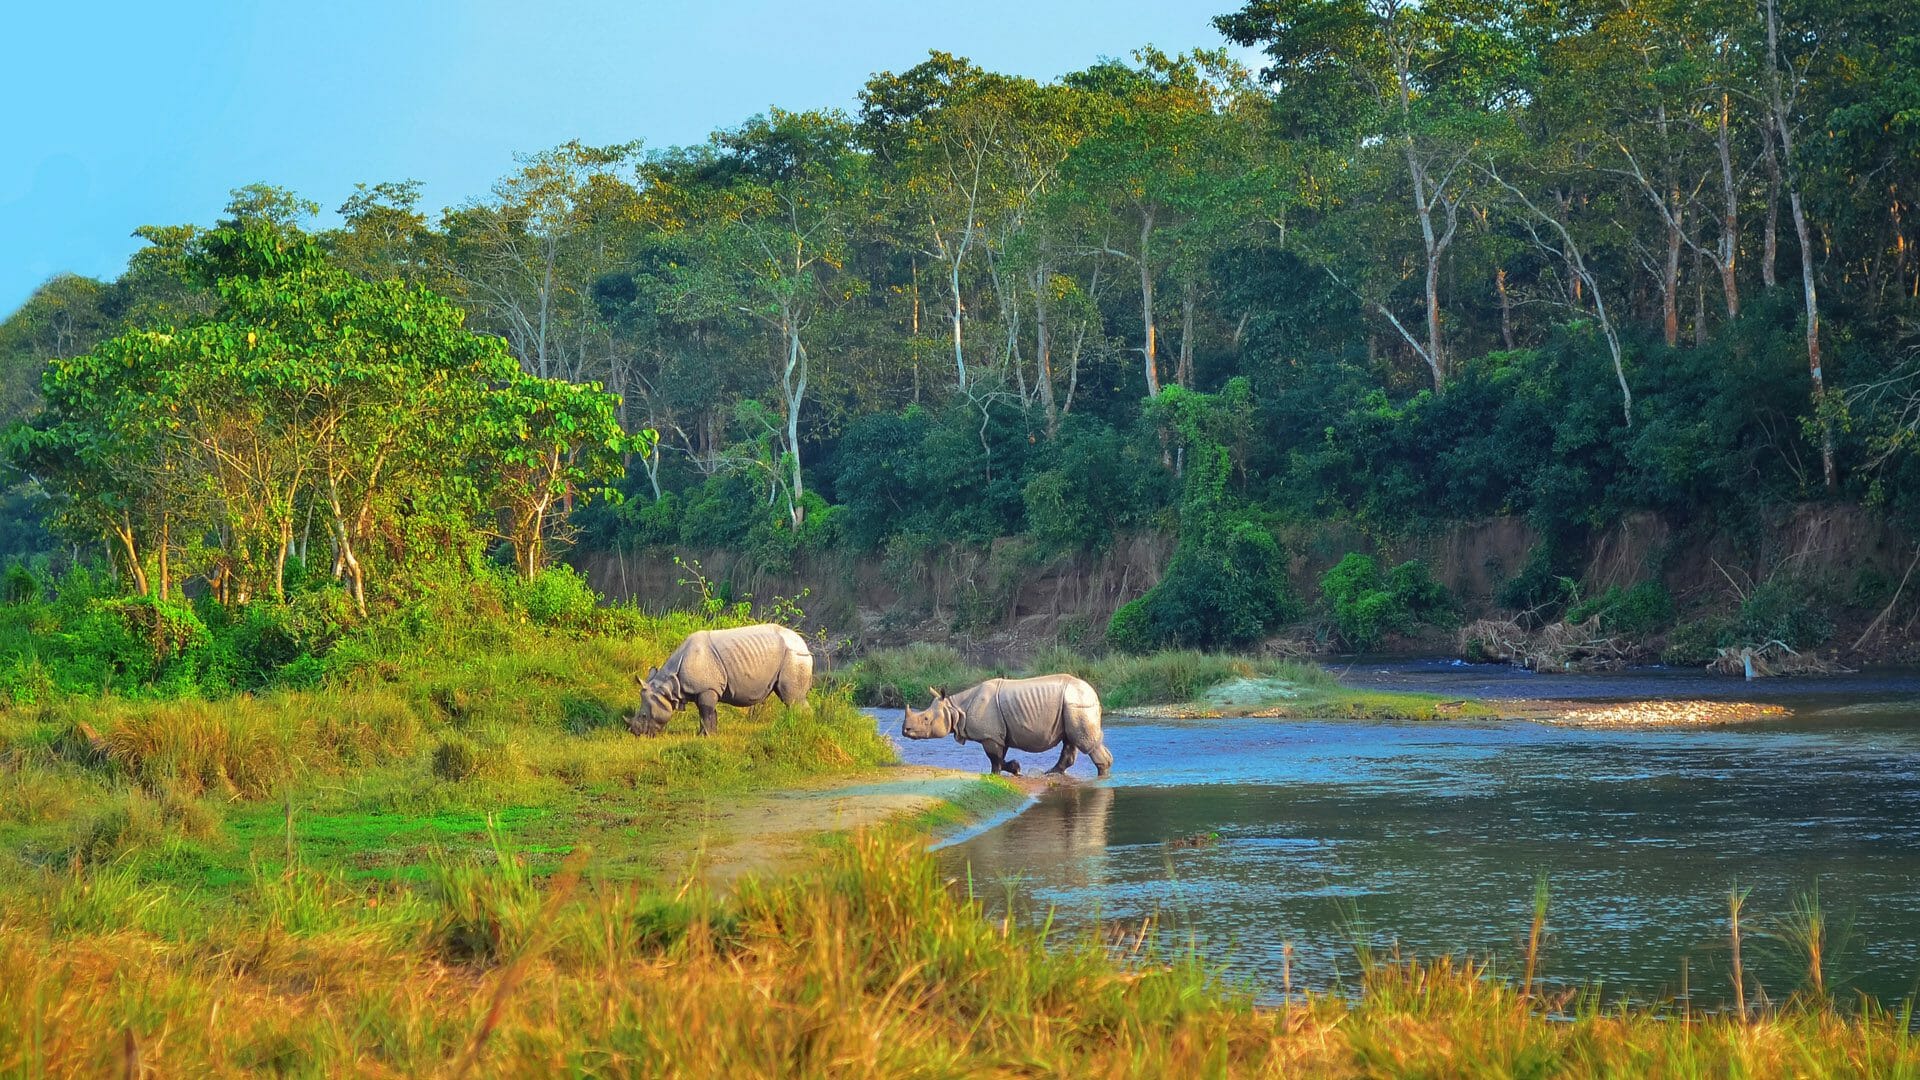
(1181, 681)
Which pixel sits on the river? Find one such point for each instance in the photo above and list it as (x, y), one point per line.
(1310, 835)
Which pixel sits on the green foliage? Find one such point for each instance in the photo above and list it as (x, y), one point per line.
(1775, 611)
(1771, 611)
(1367, 605)
(1226, 584)
(349, 398)
(556, 596)
(1696, 642)
(1642, 609)
(891, 678)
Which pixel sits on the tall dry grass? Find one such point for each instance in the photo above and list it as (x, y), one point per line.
(869, 965)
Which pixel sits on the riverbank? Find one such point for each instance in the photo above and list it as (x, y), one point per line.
(455, 853)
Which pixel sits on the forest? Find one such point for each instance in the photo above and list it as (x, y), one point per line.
(1426, 263)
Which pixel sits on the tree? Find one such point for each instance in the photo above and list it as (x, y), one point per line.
(1390, 73)
(1784, 86)
(194, 450)
(527, 257)
(1150, 152)
(772, 233)
(542, 444)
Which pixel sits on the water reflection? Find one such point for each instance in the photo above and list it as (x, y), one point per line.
(1064, 836)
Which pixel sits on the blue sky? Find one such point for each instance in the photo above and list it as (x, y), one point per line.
(126, 114)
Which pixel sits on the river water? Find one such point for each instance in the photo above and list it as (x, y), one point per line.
(1432, 836)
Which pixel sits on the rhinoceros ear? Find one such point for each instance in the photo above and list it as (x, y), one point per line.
(936, 692)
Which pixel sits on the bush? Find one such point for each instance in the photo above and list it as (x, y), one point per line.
(1646, 608)
(1226, 588)
(1367, 606)
(1226, 585)
(557, 596)
(20, 585)
(892, 678)
(1695, 643)
(1774, 612)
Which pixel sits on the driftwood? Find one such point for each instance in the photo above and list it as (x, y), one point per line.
(1770, 658)
(1554, 648)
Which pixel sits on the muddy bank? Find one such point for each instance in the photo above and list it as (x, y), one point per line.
(774, 832)
(1002, 601)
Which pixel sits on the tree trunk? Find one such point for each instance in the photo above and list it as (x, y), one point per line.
(1146, 306)
(280, 559)
(796, 387)
(913, 330)
(1770, 238)
(1699, 300)
(1804, 233)
(1043, 350)
(1729, 214)
(1506, 307)
(124, 533)
(1829, 472)
(347, 560)
(1670, 273)
(1183, 374)
(546, 305)
(166, 541)
(959, 358)
(1423, 207)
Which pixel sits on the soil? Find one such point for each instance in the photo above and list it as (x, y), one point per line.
(772, 832)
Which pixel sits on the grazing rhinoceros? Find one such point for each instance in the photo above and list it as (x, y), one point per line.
(1034, 715)
(741, 666)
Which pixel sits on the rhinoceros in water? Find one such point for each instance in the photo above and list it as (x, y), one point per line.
(742, 666)
(1034, 715)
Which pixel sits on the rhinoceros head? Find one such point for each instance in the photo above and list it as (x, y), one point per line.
(659, 697)
(936, 721)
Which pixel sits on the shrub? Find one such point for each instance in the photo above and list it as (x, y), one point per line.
(20, 585)
(557, 596)
(1226, 585)
(891, 678)
(1645, 608)
(1774, 612)
(1695, 643)
(1367, 605)
(195, 747)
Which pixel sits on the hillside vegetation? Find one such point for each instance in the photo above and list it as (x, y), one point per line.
(1430, 263)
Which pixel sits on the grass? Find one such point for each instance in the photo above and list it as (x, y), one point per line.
(1181, 682)
(871, 963)
(318, 882)
(405, 755)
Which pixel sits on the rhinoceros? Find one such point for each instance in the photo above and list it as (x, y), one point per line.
(1034, 715)
(740, 666)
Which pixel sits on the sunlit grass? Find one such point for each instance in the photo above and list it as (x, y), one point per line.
(870, 964)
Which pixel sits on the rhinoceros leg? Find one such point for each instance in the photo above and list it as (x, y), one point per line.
(708, 702)
(996, 756)
(796, 679)
(1067, 757)
(1102, 760)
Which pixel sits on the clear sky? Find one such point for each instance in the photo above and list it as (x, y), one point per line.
(124, 114)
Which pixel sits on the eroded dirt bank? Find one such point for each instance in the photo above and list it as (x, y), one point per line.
(1007, 598)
